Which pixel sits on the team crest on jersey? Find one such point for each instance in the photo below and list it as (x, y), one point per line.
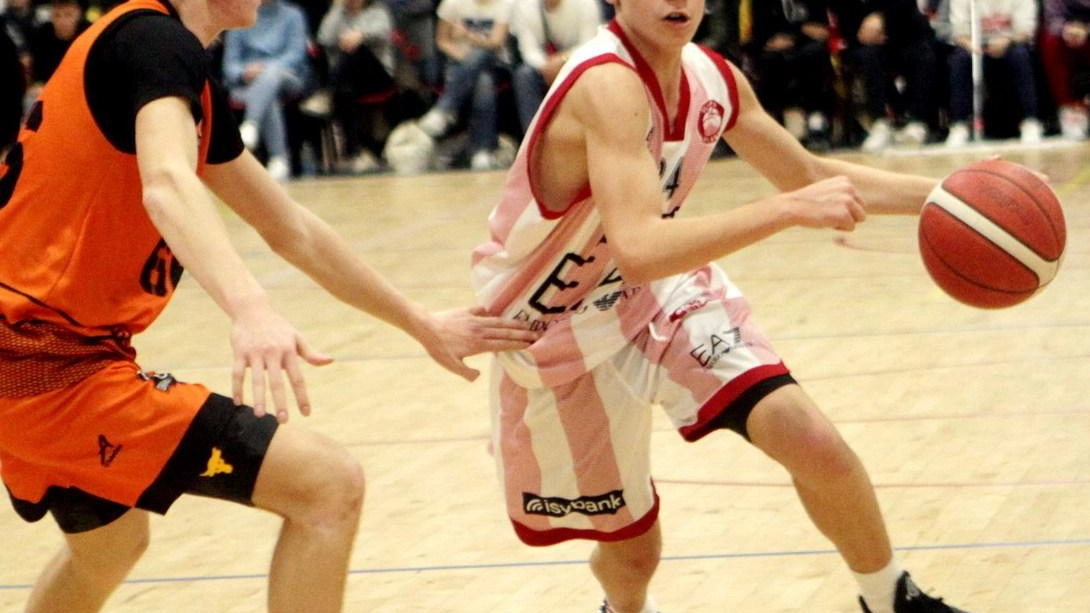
(711, 121)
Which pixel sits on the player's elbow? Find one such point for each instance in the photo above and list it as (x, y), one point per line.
(635, 266)
(162, 191)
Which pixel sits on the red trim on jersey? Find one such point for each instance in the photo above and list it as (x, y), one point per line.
(675, 131)
(722, 399)
(536, 538)
(543, 118)
(732, 84)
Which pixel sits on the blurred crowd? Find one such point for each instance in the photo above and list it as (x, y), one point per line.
(363, 86)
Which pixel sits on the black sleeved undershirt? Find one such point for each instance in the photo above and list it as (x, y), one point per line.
(142, 57)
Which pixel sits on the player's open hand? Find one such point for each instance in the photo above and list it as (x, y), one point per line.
(272, 350)
(829, 203)
(451, 336)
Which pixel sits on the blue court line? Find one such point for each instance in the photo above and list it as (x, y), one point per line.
(1076, 542)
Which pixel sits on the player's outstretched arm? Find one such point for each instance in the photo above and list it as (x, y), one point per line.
(310, 244)
(263, 342)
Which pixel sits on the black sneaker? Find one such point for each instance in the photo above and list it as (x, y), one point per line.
(910, 599)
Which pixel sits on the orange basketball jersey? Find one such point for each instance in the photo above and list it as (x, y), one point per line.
(77, 247)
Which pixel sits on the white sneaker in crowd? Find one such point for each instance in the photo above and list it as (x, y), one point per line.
(1031, 131)
(435, 122)
(1073, 122)
(248, 131)
(318, 104)
(482, 160)
(879, 137)
(279, 168)
(913, 134)
(959, 135)
(363, 163)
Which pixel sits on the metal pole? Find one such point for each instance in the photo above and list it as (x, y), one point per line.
(976, 43)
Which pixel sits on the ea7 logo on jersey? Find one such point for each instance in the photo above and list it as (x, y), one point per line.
(710, 122)
(605, 504)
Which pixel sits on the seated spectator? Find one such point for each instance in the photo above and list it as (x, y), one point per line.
(415, 23)
(356, 36)
(472, 34)
(547, 31)
(886, 40)
(51, 40)
(12, 87)
(265, 66)
(20, 21)
(1065, 53)
(1007, 28)
(790, 53)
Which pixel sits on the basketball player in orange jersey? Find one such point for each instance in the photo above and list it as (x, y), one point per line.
(102, 201)
(585, 246)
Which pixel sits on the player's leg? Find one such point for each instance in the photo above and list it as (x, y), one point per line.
(839, 497)
(90, 566)
(829, 478)
(317, 487)
(625, 568)
(574, 462)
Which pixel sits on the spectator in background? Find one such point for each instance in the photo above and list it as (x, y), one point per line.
(886, 39)
(1065, 53)
(472, 34)
(20, 20)
(547, 31)
(789, 47)
(51, 40)
(357, 38)
(1007, 28)
(415, 21)
(12, 88)
(265, 66)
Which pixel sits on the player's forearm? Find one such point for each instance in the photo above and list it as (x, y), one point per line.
(326, 257)
(883, 191)
(663, 247)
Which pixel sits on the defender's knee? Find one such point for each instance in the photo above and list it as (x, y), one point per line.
(335, 493)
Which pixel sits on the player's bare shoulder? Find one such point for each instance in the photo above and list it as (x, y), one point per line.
(591, 109)
(610, 99)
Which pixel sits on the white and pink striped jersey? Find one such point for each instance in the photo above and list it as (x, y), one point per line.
(555, 269)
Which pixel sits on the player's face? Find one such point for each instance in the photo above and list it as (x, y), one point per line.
(661, 22)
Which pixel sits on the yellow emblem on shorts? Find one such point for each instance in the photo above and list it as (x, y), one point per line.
(216, 465)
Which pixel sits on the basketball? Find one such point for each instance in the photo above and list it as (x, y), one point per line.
(992, 234)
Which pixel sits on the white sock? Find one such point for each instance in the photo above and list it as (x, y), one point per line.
(879, 588)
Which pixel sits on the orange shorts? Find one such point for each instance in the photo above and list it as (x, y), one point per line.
(121, 438)
(110, 435)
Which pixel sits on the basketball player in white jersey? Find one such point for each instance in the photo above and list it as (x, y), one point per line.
(586, 248)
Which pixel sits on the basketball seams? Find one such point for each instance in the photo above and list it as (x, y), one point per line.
(955, 187)
(994, 233)
(935, 252)
(1018, 295)
(981, 240)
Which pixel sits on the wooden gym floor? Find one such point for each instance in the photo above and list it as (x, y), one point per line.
(975, 425)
